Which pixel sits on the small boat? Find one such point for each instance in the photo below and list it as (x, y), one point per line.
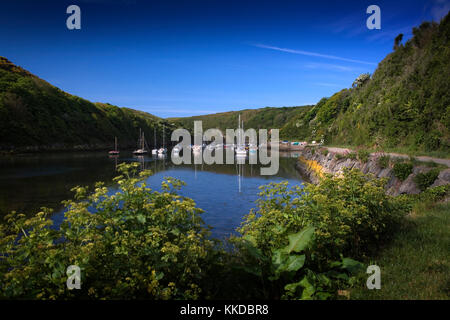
(241, 152)
(141, 144)
(176, 150)
(154, 151)
(240, 148)
(162, 150)
(197, 148)
(114, 152)
(252, 148)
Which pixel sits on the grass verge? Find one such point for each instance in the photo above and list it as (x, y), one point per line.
(415, 265)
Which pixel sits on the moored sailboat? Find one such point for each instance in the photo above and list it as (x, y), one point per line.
(240, 148)
(163, 150)
(154, 150)
(141, 144)
(115, 151)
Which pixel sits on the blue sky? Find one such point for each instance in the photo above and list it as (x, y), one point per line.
(181, 58)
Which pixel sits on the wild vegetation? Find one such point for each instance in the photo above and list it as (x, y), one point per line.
(404, 105)
(264, 118)
(33, 113)
(136, 242)
(415, 263)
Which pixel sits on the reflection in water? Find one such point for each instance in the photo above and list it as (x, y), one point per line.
(225, 192)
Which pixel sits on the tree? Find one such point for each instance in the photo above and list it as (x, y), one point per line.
(398, 41)
(361, 80)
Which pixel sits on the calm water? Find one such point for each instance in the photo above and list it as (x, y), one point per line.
(28, 182)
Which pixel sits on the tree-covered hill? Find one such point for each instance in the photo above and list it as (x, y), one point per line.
(34, 115)
(404, 104)
(263, 118)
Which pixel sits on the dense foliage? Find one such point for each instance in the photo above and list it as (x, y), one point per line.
(135, 242)
(404, 104)
(402, 170)
(426, 179)
(34, 113)
(264, 118)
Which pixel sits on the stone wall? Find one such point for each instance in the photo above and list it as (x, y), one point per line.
(313, 163)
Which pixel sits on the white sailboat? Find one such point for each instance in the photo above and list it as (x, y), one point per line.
(114, 152)
(240, 148)
(197, 148)
(154, 151)
(163, 150)
(141, 144)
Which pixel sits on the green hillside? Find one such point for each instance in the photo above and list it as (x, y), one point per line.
(36, 115)
(264, 118)
(405, 104)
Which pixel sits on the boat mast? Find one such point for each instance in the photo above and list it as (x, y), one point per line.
(243, 135)
(115, 143)
(154, 136)
(164, 141)
(140, 138)
(239, 131)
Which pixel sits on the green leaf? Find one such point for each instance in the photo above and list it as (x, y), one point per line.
(300, 241)
(308, 289)
(141, 218)
(278, 256)
(351, 265)
(292, 287)
(253, 251)
(292, 263)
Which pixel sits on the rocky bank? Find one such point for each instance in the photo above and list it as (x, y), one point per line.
(313, 163)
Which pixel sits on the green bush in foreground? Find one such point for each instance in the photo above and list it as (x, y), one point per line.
(144, 244)
(139, 243)
(298, 237)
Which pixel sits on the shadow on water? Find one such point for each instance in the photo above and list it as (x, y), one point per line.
(225, 192)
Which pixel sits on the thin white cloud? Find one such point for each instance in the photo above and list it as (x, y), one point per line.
(329, 66)
(311, 54)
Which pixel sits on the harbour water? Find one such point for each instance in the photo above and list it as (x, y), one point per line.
(225, 192)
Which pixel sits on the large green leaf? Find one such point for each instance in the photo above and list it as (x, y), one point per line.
(308, 289)
(278, 256)
(301, 240)
(351, 265)
(292, 263)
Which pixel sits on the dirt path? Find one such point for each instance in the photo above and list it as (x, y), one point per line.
(445, 162)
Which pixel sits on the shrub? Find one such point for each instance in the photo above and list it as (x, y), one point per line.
(383, 161)
(297, 237)
(349, 213)
(352, 155)
(426, 179)
(363, 155)
(402, 170)
(340, 156)
(136, 243)
(324, 151)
